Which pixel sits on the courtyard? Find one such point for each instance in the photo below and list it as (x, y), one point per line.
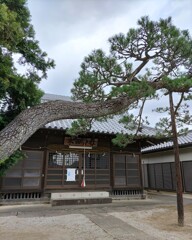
(152, 218)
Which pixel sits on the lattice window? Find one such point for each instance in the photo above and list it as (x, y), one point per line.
(127, 170)
(90, 161)
(72, 160)
(102, 161)
(55, 160)
(26, 173)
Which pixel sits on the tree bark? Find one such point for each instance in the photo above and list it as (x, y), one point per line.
(180, 208)
(30, 120)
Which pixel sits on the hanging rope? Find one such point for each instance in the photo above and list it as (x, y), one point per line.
(83, 181)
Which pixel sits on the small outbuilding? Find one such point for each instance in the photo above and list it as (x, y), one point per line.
(159, 166)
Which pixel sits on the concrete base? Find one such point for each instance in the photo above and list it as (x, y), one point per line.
(88, 197)
(55, 203)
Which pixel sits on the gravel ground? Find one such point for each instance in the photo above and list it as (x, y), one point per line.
(74, 226)
(156, 223)
(160, 223)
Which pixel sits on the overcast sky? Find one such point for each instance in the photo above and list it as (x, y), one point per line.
(68, 30)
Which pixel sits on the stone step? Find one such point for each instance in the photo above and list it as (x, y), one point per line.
(80, 197)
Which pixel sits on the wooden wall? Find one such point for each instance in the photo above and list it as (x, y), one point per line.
(46, 143)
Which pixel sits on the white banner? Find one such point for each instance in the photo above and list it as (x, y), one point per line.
(71, 174)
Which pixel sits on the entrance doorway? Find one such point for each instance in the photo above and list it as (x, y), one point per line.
(64, 170)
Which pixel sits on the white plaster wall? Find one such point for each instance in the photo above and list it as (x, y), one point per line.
(166, 156)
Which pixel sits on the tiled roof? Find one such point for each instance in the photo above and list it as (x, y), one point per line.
(48, 97)
(110, 126)
(183, 140)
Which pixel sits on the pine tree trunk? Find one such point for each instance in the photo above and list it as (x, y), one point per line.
(30, 120)
(180, 208)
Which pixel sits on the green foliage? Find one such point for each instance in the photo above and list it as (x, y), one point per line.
(21, 93)
(79, 127)
(16, 23)
(17, 36)
(11, 31)
(11, 161)
(161, 42)
(153, 56)
(161, 47)
(94, 83)
(17, 39)
(182, 112)
(184, 82)
(138, 88)
(122, 140)
(128, 121)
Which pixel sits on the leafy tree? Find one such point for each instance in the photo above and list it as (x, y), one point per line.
(154, 56)
(17, 39)
(17, 36)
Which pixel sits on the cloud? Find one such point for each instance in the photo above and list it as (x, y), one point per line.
(60, 20)
(68, 30)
